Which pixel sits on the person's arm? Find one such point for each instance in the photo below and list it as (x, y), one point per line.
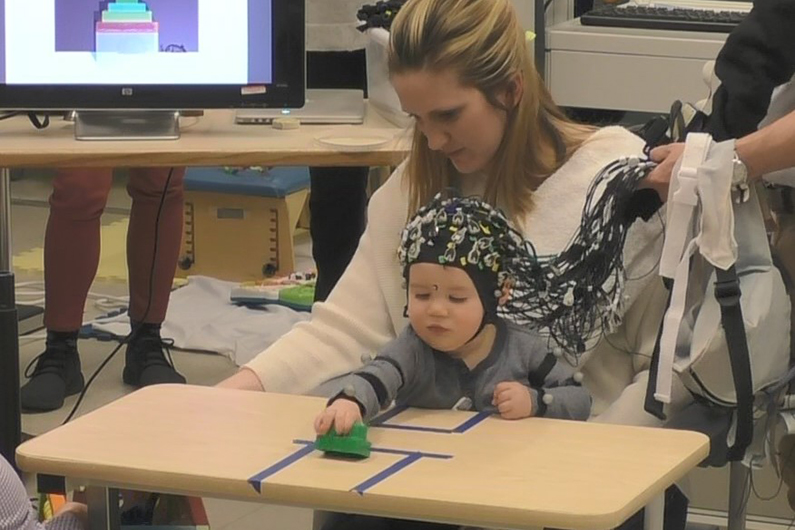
(16, 512)
(376, 385)
(71, 516)
(758, 56)
(355, 320)
(556, 389)
(366, 392)
(243, 379)
(769, 149)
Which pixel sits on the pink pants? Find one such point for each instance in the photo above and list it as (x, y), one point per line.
(72, 241)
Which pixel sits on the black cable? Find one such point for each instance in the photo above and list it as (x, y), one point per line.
(129, 338)
(32, 116)
(571, 297)
(39, 124)
(786, 461)
(659, 258)
(577, 295)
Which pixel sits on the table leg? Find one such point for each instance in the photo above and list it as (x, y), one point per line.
(654, 513)
(739, 485)
(103, 508)
(10, 423)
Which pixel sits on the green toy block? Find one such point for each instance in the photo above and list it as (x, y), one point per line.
(352, 445)
(299, 297)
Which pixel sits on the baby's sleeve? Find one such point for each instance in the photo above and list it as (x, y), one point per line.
(555, 386)
(377, 384)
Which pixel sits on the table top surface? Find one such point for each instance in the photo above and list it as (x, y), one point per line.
(450, 466)
(212, 140)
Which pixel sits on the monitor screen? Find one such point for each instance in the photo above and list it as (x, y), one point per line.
(123, 54)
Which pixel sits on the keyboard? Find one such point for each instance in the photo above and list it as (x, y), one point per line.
(669, 18)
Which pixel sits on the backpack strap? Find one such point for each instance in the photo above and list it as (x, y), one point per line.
(727, 293)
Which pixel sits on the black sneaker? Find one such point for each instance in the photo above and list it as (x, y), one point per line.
(57, 375)
(145, 360)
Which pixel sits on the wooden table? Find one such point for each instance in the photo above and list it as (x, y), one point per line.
(213, 140)
(447, 466)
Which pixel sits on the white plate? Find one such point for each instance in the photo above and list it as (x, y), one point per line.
(353, 140)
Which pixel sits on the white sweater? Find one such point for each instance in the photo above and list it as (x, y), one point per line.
(365, 310)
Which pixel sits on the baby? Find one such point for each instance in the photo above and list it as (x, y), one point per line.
(461, 259)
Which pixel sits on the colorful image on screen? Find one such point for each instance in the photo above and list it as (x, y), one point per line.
(127, 26)
(136, 42)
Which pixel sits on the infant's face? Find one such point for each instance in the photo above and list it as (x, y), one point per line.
(443, 306)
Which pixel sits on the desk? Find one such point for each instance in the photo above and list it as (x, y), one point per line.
(631, 69)
(251, 446)
(215, 140)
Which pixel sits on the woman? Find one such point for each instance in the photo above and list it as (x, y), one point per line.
(486, 124)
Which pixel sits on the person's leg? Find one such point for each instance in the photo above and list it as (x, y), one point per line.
(337, 205)
(674, 517)
(338, 195)
(153, 243)
(71, 257)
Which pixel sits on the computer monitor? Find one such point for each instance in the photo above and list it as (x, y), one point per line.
(151, 54)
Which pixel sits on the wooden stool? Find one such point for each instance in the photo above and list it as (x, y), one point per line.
(239, 224)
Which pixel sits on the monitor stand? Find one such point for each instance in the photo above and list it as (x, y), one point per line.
(126, 125)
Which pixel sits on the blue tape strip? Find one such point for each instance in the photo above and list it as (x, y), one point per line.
(388, 415)
(471, 422)
(391, 451)
(256, 480)
(415, 428)
(388, 472)
(402, 452)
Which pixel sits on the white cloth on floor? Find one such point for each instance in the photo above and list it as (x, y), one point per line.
(201, 317)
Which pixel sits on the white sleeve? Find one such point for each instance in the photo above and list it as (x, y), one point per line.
(353, 321)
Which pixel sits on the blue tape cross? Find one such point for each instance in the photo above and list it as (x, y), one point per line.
(309, 446)
(388, 472)
(256, 480)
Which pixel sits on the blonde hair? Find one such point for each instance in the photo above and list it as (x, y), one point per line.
(483, 43)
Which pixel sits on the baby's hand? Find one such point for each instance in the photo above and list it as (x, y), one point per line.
(341, 415)
(513, 400)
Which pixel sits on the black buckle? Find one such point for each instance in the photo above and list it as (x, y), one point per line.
(728, 292)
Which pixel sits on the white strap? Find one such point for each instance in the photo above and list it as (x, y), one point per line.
(716, 220)
(682, 202)
(671, 324)
(679, 245)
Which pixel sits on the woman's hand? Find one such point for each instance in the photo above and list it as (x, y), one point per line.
(513, 400)
(341, 415)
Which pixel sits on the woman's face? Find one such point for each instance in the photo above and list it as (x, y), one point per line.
(456, 120)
